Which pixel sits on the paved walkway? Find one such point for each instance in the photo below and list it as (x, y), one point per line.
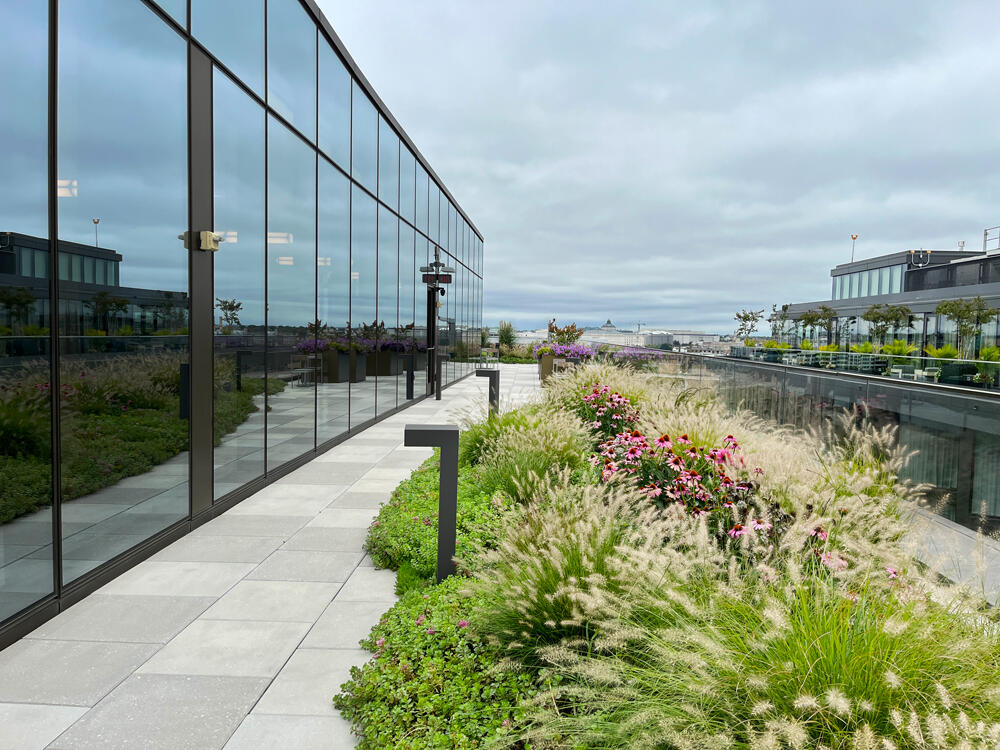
(239, 634)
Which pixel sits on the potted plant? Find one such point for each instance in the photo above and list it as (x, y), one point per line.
(546, 357)
(988, 365)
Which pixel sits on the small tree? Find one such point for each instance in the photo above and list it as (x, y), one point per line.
(748, 321)
(969, 316)
(565, 335)
(779, 322)
(104, 307)
(505, 335)
(881, 318)
(230, 309)
(809, 319)
(17, 301)
(826, 318)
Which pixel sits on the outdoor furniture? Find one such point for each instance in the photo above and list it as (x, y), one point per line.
(305, 375)
(896, 372)
(932, 373)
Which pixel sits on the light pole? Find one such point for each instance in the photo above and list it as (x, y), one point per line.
(96, 222)
(854, 238)
(434, 276)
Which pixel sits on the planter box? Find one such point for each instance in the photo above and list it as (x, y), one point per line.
(385, 364)
(545, 365)
(343, 367)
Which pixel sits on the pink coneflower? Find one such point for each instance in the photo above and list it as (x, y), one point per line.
(727, 504)
(730, 442)
(737, 531)
(675, 462)
(663, 441)
(463, 623)
(833, 562)
(634, 452)
(820, 533)
(893, 573)
(760, 524)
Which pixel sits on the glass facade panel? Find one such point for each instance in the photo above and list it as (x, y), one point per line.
(364, 269)
(883, 280)
(364, 139)
(233, 31)
(291, 299)
(896, 280)
(240, 192)
(140, 195)
(855, 284)
(407, 175)
(865, 277)
(334, 107)
(421, 197)
(26, 573)
(388, 165)
(312, 305)
(333, 268)
(291, 64)
(386, 359)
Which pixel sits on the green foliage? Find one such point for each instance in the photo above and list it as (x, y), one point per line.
(433, 684)
(988, 364)
(505, 335)
(568, 334)
(476, 439)
(777, 345)
(942, 352)
(747, 321)
(882, 317)
(806, 344)
(405, 530)
(865, 348)
(831, 347)
(969, 316)
(33, 330)
(25, 420)
(25, 485)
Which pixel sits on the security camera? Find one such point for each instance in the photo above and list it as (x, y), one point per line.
(441, 291)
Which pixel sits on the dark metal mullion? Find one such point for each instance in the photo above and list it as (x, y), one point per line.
(350, 252)
(315, 263)
(55, 389)
(378, 226)
(267, 226)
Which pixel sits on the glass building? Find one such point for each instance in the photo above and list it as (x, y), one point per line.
(149, 381)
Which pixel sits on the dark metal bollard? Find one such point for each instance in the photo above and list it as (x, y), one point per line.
(185, 391)
(445, 437)
(410, 376)
(494, 375)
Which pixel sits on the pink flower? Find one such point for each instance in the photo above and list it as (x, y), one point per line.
(635, 452)
(431, 631)
(760, 525)
(380, 642)
(833, 562)
(463, 623)
(758, 471)
(737, 531)
(675, 462)
(684, 440)
(820, 533)
(420, 620)
(663, 441)
(893, 573)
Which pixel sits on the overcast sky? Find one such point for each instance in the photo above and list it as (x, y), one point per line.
(672, 162)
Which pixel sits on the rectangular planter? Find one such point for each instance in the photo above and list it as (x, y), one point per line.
(545, 364)
(385, 364)
(343, 367)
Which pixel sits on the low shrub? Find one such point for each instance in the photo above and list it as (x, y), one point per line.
(405, 530)
(477, 438)
(433, 683)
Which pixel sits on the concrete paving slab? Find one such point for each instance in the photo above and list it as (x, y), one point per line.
(307, 683)
(303, 565)
(265, 732)
(25, 726)
(275, 601)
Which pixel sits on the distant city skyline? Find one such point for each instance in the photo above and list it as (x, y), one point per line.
(676, 162)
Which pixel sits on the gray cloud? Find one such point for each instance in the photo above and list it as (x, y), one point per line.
(673, 162)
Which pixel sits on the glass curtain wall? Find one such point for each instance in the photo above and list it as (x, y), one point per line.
(325, 215)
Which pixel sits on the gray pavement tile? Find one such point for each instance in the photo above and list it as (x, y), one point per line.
(344, 624)
(369, 585)
(253, 525)
(165, 712)
(124, 619)
(178, 578)
(301, 565)
(303, 500)
(32, 727)
(68, 673)
(219, 548)
(344, 518)
(326, 539)
(285, 601)
(307, 683)
(264, 732)
(233, 648)
(359, 499)
(336, 473)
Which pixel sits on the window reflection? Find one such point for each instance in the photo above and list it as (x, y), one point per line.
(239, 162)
(233, 31)
(364, 139)
(363, 302)
(407, 291)
(334, 107)
(421, 196)
(293, 362)
(387, 360)
(291, 64)
(123, 344)
(407, 173)
(333, 267)
(388, 165)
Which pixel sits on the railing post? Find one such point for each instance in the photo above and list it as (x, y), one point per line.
(494, 376)
(445, 437)
(437, 378)
(410, 375)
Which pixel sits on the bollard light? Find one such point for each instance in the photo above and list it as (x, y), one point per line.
(445, 437)
(494, 375)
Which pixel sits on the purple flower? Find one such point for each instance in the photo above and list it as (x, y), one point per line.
(463, 623)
